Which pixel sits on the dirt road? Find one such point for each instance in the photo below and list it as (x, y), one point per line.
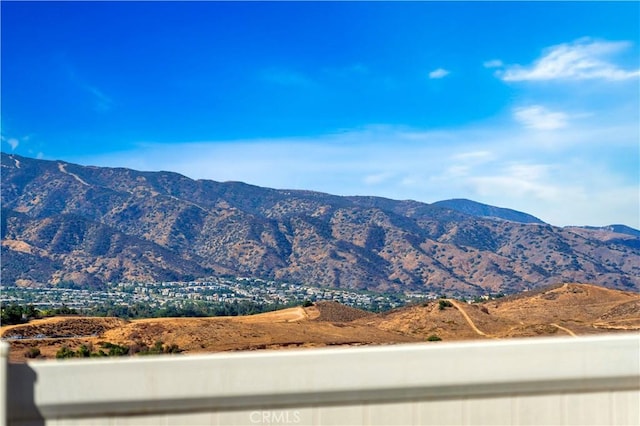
(559, 327)
(468, 319)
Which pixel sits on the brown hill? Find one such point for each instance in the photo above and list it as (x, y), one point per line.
(93, 225)
(336, 312)
(570, 309)
(289, 328)
(573, 309)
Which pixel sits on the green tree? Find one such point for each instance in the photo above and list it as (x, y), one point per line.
(65, 352)
(12, 314)
(83, 352)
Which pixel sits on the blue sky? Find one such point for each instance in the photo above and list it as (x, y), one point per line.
(532, 106)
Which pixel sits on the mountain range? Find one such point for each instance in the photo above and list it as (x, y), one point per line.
(94, 225)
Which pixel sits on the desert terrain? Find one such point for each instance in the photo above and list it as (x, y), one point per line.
(562, 310)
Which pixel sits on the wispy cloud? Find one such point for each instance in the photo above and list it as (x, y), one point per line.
(22, 145)
(12, 142)
(518, 180)
(499, 164)
(560, 192)
(102, 102)
(582, 59)
(377, 178)
(494, 63)
(539, 118)
(438, 73)
(473, 156)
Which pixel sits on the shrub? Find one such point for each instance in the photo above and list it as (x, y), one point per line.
(172, 349)
(65, 352)
(156, 349)
(433, 338)
(442, 304)
(159, 348)
(307, 303)
(83, 352)
(115, 350)
(32, 353)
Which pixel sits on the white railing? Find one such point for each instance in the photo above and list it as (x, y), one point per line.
(586, 380)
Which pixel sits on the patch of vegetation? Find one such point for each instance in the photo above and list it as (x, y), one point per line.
(307, 303)
(18, 314)
(112, 349)
(434, 338)
(159, 348)
(443, 304)
(63, 310)
(83, 352)
(64, 352)
(32, 353)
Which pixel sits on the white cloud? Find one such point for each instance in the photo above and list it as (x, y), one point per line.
(377, 178)
(498, 164)
(582, 59)
(494, 63)
(13, 143)
(560, 193)
(473, 156)
(519, 181)
(462, 164)
(439, 73)
(540, 118)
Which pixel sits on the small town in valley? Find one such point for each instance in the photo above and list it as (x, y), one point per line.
(211, 291)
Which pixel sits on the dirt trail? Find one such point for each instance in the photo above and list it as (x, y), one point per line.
(468, 319)
(559, 327)
(615, 324)
(62, 168)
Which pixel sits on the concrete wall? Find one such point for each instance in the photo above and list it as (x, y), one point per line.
(581, 381)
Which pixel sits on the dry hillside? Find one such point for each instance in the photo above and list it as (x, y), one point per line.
(569, 309)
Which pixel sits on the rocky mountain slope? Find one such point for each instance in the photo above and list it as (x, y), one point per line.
(91, 225)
